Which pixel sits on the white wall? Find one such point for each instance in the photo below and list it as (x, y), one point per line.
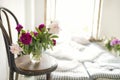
(34, 13)
(3, 60)
(110, 18)
(39, 12)
(30, 13)
(17, 7)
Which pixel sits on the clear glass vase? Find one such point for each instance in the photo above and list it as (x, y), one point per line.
(116, 53)
(35, 56)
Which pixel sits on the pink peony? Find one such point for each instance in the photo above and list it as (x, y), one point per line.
(54, 28)
(15, 49)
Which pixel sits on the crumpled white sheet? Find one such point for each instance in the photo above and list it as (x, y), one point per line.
(66, 65)
(72, 51)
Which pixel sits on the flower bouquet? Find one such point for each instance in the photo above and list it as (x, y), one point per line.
(113, 45)
(34, 42)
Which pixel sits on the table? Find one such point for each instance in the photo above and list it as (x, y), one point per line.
(46, 66)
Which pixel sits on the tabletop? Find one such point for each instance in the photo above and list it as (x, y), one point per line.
(46, 64)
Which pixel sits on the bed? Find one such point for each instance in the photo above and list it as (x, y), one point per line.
(104, 68)
(83, 62)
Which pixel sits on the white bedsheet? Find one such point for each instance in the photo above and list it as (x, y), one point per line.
(97, 70)
(73, 51)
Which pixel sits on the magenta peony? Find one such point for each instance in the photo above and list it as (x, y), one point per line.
(19, 27)
(35, 33)
(41, 26)
(54, 42)
(26, 38)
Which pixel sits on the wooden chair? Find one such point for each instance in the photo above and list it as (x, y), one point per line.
(21, 65)
(8, 34)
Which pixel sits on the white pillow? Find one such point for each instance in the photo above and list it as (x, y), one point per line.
(77, 46)
(64, 51)
(81, 40)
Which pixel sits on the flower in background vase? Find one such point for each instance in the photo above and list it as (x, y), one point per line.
(113, 44)
(15, 49)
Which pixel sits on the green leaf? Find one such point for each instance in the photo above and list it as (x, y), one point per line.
(54, 36)
(109, 47)
(23, 31)
(43, 29)
(39, 32)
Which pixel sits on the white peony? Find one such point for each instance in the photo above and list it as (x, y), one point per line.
(54, 28)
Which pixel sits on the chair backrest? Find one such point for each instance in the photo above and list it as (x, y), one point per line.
(8, 15)
(7, 33)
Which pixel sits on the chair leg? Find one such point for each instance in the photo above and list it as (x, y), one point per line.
(16, 76)
(11, 75)
(48, 76)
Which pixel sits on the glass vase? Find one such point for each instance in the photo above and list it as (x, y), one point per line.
(116, 53)
(35, 56)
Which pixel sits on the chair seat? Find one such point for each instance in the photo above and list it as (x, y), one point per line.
(25, 66)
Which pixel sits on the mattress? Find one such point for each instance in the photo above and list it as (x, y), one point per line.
(106, 79)
(97, 70)
(77, 73)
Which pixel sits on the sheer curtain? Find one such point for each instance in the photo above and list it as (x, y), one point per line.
(75, 17)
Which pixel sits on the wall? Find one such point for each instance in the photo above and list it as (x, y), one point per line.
(39, 12)
(3, 60)
(30, 13)
(34, 13)
(17, 7)
(110, 18)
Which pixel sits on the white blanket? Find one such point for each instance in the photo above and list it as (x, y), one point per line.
(73, 51)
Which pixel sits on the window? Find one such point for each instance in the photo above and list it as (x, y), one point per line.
(75, 17)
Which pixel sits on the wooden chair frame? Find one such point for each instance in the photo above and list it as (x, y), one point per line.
(11, 59)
